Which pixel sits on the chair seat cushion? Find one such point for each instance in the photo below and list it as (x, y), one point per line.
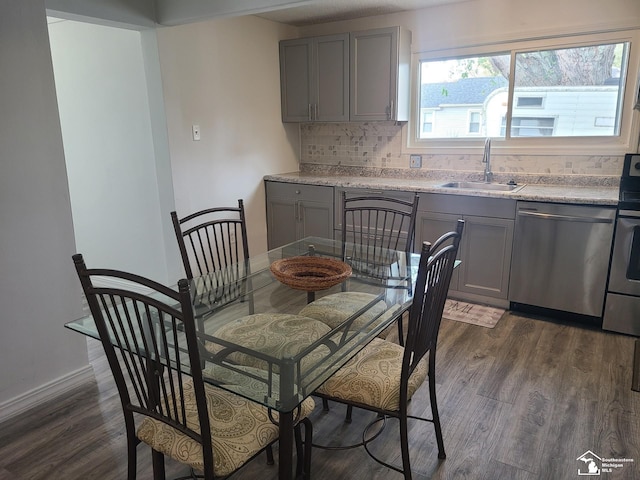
(239, 430)
(278, 335)
(372, 377)
(336, 308)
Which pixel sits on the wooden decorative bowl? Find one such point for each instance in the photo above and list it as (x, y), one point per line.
(310, 273)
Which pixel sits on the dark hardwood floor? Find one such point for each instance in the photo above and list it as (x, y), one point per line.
(521, 401)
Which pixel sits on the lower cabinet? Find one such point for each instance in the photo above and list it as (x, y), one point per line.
(295, 211)
(485, 250)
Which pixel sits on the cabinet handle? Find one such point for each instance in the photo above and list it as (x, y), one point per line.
(390, 116)
(566, 218)
(310, 118)
(316, 112)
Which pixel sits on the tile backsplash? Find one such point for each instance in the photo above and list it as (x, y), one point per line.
(378, 146)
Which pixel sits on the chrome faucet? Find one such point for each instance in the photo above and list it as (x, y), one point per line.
(486, 159)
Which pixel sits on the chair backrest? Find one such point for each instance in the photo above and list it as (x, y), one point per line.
(432, 286)
(373, 225)
(149, 339)
(212, 239)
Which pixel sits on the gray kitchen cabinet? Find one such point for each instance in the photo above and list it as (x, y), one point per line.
(314, 79)
(487, 241)
(295, 211)
(380, 74)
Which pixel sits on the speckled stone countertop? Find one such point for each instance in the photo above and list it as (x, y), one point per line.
(537, 192)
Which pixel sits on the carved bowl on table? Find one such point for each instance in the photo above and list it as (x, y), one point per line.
(310, 273)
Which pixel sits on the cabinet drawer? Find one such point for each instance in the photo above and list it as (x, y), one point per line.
(315, 193)
(467, 205)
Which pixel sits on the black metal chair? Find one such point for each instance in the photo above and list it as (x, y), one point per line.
(214, 248)
(374, 227)
(212, 239)
(156, 358)
(383, 376)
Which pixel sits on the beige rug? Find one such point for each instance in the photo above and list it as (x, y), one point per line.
(472, 313)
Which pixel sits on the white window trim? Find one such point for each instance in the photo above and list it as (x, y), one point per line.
(605, 145)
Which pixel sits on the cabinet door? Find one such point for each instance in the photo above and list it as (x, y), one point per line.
(295, 211)
(374, 60)
(295, 79)
(486, 256)
(281, 226)
(315, 219)
(331, 79)
(430, 226)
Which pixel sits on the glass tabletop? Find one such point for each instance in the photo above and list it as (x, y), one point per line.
(253, 340)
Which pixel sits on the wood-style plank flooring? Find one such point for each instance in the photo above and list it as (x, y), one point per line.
(521, 401)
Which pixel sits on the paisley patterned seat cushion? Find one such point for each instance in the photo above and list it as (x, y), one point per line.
(276, 334)
(372, 377)
(239, 429)
(336, 308)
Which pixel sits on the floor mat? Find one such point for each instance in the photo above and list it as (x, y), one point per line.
(472, 313)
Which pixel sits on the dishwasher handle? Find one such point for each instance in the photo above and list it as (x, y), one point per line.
(566, 218)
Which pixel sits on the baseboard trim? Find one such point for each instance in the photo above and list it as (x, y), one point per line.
(43, 393)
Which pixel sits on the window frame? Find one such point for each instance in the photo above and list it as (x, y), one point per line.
(578, 145)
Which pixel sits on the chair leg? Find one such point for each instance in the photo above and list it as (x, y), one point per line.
(270, 455)
(299, 452)
(347, 418)
(434, 405)
(303, 449)
(404, 447)
(158, 465)
(132, 446)
(325, 405)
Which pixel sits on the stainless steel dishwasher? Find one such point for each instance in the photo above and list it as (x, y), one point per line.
(561, 257)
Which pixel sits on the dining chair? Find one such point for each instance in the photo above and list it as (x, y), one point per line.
(374, 228)
(212, 239)
(383, 376)
(154, 352)
(214, 248)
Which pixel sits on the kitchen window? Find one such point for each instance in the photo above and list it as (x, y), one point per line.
(530, 95)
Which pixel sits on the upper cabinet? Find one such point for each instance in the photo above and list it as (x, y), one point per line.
(362, 76)
(380, 74)
(314, 79)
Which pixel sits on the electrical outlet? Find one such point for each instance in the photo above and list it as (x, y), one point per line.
(415, 161)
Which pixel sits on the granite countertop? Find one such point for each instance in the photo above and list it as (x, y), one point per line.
(587, 195)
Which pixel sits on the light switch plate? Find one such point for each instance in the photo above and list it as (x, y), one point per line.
(415, 161)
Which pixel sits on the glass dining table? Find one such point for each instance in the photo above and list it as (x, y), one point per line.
(230, 304)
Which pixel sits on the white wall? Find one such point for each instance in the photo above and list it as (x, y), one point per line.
(224, 76)
(38, 288)
(109, 148)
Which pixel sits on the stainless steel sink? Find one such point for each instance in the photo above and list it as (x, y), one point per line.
(498, 187)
